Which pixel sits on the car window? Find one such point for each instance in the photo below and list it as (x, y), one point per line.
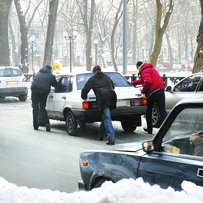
(82, 79)
(201, 87)
(117, 78)
(64, 85)
(9, 72)
(178, 137)
(188, 84)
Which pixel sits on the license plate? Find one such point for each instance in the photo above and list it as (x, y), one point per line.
(123, 103)
(11, 82)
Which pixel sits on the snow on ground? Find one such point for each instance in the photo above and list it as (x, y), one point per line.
(124, 191)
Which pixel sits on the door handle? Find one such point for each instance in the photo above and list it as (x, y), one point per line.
(63, 97)
(200, 172)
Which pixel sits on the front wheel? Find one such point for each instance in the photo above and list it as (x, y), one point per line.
(71, 124)
(128, 125)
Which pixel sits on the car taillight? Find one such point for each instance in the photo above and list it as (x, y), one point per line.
(85, 105)
(138, 102)
(89, 105)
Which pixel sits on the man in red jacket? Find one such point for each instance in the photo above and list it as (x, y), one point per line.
(153, 88)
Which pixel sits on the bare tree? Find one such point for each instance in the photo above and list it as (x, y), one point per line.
(53, 7)
(198, 59)
(24, 27)
(4, 45)
(160, 29)
(88, 21)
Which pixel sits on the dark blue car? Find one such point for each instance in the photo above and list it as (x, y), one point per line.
(174, 154)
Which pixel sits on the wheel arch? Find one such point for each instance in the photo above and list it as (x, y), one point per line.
(99, 178)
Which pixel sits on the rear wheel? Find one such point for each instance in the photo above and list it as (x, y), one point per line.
(22, 97)
(156, 120)
(71, 124)
(128, 125)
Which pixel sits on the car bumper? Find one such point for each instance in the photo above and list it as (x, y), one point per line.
(81, 185)
(117, 114)
(14, 91)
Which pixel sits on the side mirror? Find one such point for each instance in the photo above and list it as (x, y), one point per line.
(148, 146)
(168, 89)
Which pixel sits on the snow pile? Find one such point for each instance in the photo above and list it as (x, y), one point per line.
(123, 191)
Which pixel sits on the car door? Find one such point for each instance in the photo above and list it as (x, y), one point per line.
(58, 98)
(186, 88)
(177, 160)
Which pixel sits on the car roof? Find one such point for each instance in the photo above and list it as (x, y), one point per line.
(77, 73)
(195, 100)
(4, 67)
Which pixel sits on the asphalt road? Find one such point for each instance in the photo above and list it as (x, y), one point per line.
(46, 160)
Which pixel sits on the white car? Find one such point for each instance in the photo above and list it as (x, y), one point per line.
(188, 87)
(64, 103)
(13, 83)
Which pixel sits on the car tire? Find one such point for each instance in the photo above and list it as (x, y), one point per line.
(71, 124)
(22, 97)
(128, 125)
(156, 119)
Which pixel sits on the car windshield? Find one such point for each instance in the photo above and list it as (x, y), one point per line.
(117, 78)
(189, 121)
(9, 72)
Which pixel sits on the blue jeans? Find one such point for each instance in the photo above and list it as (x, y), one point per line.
(106, 117)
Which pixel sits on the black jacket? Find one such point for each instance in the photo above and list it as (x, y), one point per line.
(43, 81)
(103, 88)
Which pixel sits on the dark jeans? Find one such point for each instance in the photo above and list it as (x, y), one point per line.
(157, 98)
(39, 109)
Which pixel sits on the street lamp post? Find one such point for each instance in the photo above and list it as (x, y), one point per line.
(71, 39)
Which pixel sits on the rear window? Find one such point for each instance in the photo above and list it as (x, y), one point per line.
(10, 72)
(117, 78)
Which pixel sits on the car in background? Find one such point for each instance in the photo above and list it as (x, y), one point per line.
(64, 103)
(13, 83)
(188, 87)
(167, 160)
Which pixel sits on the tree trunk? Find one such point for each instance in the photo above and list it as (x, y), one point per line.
(89, 37)
(23, 31)
(135, 12)
(14, 58)
(160, 29)
(117, 18)
(53, 7)
(4, 45)
(198, 59)
(170, 52)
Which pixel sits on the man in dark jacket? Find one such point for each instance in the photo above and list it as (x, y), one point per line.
(106, 98)
(153, 88)
(40, 88)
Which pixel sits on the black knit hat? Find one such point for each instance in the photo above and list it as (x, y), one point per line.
(48, 67)
(139, 63)
(96, 68)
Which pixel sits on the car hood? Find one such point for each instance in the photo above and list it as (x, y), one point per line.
(129, 147)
